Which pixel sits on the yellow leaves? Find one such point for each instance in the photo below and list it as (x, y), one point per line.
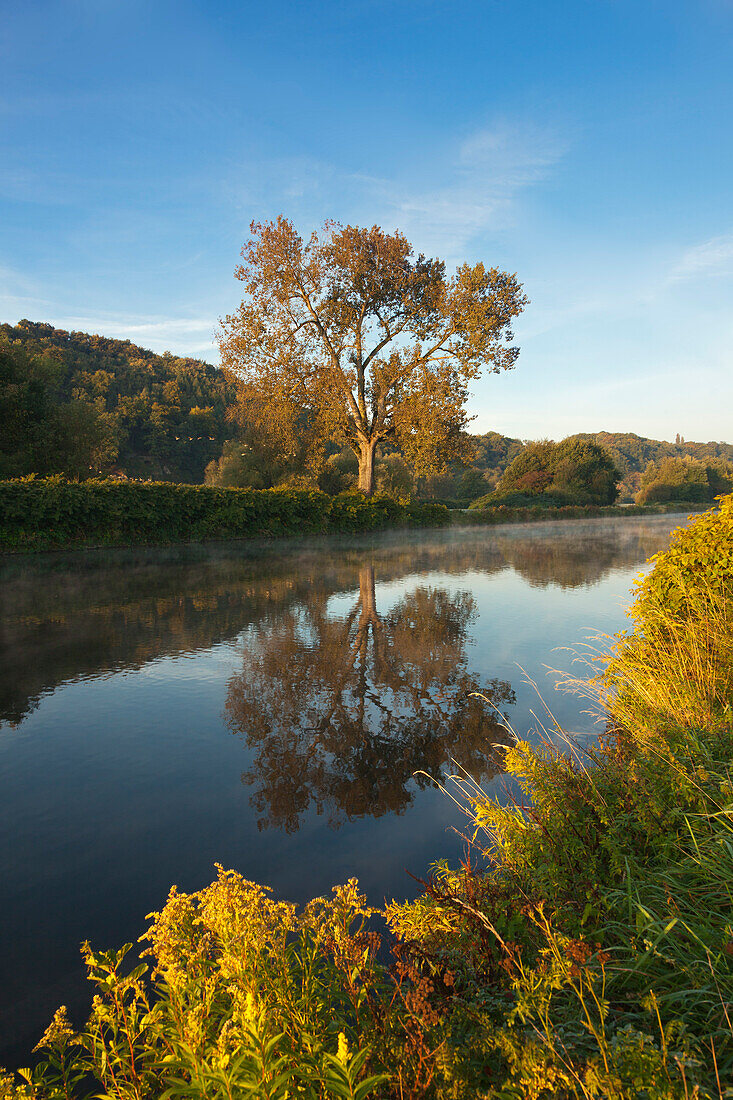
(350, 325)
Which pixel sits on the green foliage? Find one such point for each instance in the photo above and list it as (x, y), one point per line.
(685, 478)
(632, 454)
(699, 557)
(352, 512)
(575, 471)
(252, 999)
(45, 513)
(157, 415)
(40, 433)
(246, 466)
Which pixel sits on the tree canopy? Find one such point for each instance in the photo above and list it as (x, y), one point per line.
(90, 404)
(350, 337)
(685, 478)
(576, 471)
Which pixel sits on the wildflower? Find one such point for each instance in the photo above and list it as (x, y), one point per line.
(250, 1011)
(58, 1032)
(343, 1049)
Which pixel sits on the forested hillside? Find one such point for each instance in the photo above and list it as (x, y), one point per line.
(85, 404)
(634, 453)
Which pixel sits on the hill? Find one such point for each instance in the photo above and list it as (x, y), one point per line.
(84, 404)
(125, 408)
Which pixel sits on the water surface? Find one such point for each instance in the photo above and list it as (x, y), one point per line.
(266, 707)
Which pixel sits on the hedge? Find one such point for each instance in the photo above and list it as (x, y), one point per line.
(479, 517)
(51, 513)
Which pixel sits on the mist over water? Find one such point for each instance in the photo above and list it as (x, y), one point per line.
(266, 707)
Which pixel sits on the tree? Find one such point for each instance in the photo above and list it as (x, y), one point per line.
(576, 470)
(40, 433)
(348, 336)
(685, 478)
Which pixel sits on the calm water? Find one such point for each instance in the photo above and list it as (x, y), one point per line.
(265, 708)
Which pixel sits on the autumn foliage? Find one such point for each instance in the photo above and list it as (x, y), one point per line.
(350, 337)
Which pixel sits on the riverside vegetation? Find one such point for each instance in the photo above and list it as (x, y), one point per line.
(45, 513)
(53, 513)
(85, 406)
(584, 950)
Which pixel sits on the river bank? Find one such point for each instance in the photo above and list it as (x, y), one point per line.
(39, 515)
(620, 854)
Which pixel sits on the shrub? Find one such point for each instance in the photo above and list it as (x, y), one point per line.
(51, 512)
(252, 1000)
(596, 948)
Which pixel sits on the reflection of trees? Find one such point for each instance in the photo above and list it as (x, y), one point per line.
(342, 711)
(71, 615)
(577, 553)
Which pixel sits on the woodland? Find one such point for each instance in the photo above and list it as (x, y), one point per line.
(84, 406)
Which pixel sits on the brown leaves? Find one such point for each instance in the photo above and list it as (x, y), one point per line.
(372, 341)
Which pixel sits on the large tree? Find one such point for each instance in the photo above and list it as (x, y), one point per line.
(350, 336)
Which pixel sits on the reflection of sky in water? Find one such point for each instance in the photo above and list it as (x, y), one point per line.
(116, 784)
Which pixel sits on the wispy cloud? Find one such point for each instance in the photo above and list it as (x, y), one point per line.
(712, 258)
(477, 182)
(181, 335)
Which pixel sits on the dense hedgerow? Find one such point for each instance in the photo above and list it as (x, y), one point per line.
(585, 950)
(48, 513)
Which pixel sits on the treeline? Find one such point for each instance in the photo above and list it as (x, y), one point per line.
(87, 406)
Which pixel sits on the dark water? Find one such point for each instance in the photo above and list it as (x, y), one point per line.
(265, 708)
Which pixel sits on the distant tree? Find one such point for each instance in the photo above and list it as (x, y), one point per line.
(167, 416)
(394, 477)
(531, 470)
(40, 434)
(349, 336)
(685, 478)
(340, 472)
(585, 471)
(577, 469)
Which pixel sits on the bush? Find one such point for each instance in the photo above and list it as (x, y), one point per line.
(39, 514)
(252, 1000)
(593, 955)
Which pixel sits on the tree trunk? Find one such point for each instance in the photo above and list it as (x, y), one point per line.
(366, 467)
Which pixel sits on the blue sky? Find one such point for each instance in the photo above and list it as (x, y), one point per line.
(585, 144)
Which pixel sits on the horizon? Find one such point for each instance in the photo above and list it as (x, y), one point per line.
(581, 147)
(522, 439)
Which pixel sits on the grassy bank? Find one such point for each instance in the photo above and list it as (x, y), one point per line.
(481, 517)
(585, 950)
(51, 513)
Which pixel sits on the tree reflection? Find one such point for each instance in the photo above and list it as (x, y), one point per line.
(342, 711)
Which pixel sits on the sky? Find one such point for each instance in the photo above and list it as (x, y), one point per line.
(584, 144)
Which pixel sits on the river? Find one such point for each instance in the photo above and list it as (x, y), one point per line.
(267, 707)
